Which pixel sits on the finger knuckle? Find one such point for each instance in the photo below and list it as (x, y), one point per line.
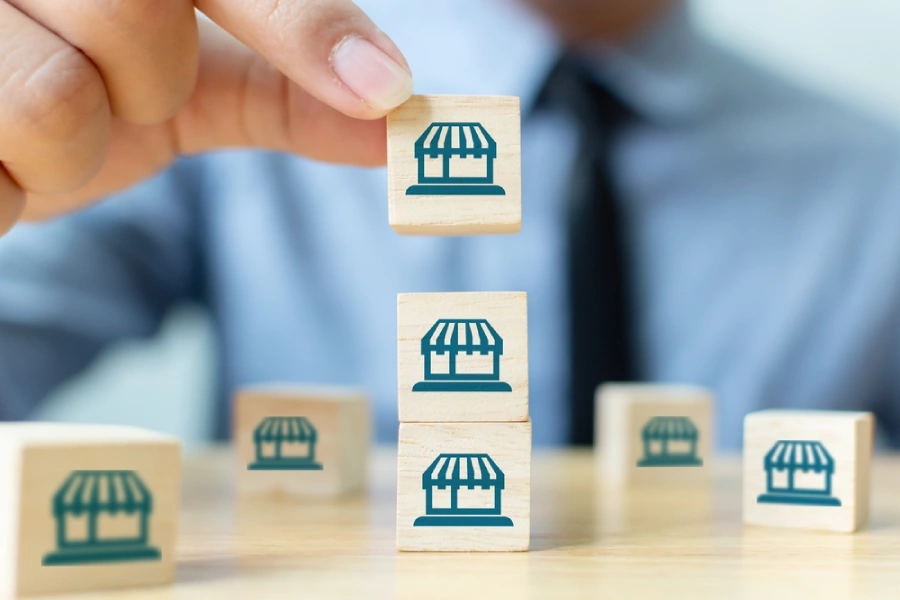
(61, 96)
(286, 17)
(276, 12)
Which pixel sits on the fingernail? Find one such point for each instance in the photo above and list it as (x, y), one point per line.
(371, 74)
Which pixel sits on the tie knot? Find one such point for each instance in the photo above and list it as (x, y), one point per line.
(572, 87)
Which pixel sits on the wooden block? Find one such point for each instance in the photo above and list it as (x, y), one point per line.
(464, 486)
(302, 440)
(807, 469)
(86, 507)
(652, 434)
(463, 356)
(454, 165)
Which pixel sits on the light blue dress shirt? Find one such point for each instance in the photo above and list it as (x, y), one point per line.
(764, 225)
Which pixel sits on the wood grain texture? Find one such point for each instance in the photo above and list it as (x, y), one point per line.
(589, 540)
(342, 420)
(37, 459)
(622, 412)
(847, 437)
(507, 312)
(455, 214)
(507, 444)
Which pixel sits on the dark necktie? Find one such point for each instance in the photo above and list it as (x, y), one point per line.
(600, 321)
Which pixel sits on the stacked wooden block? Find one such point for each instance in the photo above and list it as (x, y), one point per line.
(802, 468)
(464, 468)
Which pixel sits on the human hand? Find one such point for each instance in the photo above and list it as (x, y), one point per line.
(96, 95)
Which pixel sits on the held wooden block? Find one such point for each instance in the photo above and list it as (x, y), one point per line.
(464, 486)
(807, 469)
(454, 165)
(463, 356)
(303, 441)
(86, 507)
(651, 434)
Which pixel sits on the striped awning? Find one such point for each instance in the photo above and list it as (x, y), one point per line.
(106, 491)
(669, 428)
(462, 335)
(804, 455)
(468, 470)
(285, 429)
(456, 139)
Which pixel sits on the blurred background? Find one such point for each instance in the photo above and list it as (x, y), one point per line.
(846, 49)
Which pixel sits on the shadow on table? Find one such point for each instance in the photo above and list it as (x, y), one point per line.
(460, 575)
(601, 516)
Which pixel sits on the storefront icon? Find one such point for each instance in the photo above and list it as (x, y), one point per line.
(455, 159)
(463, 490)
(285, 444)
(798, 472)
(670, 442)
(462, 355)
(102, 517)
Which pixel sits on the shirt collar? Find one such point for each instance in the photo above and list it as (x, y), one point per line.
(666, 74)
(499, 47)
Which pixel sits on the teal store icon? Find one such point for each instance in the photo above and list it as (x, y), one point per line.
(462, 355)
(463, 490)
(455, 159)
(798, 472)
(102, 517)
(285, 444)
(670, 442)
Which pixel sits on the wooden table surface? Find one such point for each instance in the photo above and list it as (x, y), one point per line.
(587, 541)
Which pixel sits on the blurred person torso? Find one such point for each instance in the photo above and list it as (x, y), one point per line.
(761, 223)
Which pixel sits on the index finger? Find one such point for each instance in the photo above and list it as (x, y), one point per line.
(328, 47)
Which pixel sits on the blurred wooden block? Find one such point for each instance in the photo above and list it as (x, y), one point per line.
(454, 165)
(464, 486)
(651, 434)
(807, 469)
(86, 507)
(463, 356)
(302, 440)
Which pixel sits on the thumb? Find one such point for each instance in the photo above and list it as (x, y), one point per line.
(328, 47)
